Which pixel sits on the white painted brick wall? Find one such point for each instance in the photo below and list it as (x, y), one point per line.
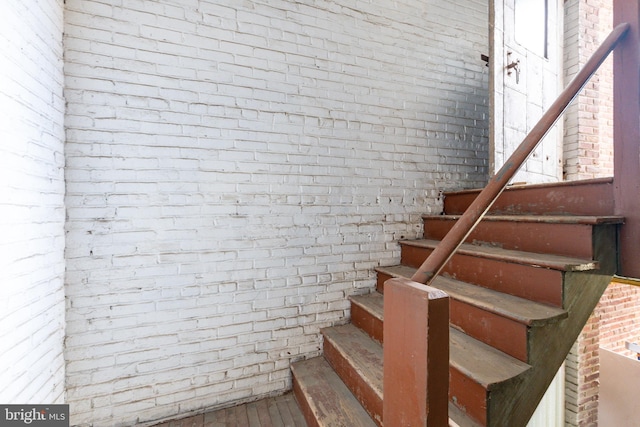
(32, 307)
(235, 170)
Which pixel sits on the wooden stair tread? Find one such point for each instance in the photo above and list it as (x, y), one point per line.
(362, 353)
(484, 364)
(519, 309)
(457, 418)
(524, 311)
(327, 397)
(555, 262)
(553, 219)
(397, 270)
(373, 303)
(544, 185)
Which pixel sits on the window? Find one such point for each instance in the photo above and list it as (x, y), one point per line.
(531, 25)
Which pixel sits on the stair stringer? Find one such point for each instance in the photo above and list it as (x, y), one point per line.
(549, 350)
(549, 347)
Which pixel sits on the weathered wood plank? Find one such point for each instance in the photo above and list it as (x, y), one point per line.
(274, 413)
(263, 413)
(279, 411)
(328, 401)
(252, 414)
(242, 419)
(295, 411)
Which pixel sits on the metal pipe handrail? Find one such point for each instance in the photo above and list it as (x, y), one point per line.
(476, 211)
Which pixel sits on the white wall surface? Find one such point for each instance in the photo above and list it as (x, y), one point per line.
(235, 170)
(32, 307)
(551, 409)
(619, 387)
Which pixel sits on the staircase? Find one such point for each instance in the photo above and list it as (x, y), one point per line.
(521, 289)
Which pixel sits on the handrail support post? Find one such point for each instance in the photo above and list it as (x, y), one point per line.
(416, 354)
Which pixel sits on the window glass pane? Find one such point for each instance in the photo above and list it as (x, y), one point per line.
(531, 25)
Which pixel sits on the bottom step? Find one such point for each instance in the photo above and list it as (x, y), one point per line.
(324, 399)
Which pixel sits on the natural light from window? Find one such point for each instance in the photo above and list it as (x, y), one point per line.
(531, 25)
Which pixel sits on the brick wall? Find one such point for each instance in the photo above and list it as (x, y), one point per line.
(615, 320)
(31, 203)
(619, 315)
(582, 377)
(588, 123)
(235, 170)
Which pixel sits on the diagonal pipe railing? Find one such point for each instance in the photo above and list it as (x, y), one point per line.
(476, 211)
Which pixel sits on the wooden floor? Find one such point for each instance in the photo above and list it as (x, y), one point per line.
(281, 411)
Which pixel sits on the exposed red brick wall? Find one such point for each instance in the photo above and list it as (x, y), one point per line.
(582, 373)
(619, 315)
(588, 133)
(615, 320)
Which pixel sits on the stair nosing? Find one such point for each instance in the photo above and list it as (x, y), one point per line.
(511, 304)
(554, 262)
(458, 361)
